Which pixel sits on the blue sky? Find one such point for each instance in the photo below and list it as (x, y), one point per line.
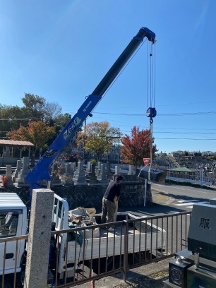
(60, 50)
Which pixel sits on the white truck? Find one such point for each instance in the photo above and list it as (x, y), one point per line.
(94, 242)
(13, 222)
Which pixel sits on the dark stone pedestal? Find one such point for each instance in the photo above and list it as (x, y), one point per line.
(200, 278)
(167, 284)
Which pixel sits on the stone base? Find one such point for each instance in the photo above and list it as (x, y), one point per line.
(200, 278)
(90, 195)
(17, 185)
(167, 284)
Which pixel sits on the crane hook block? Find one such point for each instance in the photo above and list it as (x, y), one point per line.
(151, 112)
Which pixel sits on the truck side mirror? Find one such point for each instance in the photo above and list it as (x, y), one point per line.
(156, 175)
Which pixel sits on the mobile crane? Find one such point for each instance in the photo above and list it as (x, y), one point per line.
(41, 169)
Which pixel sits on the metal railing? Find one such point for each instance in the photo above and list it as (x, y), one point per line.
(134, 242)
(11, 250)
(87, 253)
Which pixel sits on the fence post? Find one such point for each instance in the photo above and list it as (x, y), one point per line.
(125, 250)
(39, 238)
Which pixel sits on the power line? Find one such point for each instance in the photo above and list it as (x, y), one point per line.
(170, 114)
(199, 139)
(189, 129)
(170, 132)
(19, 119)
(135, 107)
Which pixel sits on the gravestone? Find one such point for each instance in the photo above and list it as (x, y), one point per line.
(80, 178)
(92, 176)
(130, 170)
(109, 172)
(98, 168)
(102, 178)
(67, 178)
(20, 180)
(55, 175)
(63, 167)
(8, 174)
(88, 171)
(17, 170)
(117, 170)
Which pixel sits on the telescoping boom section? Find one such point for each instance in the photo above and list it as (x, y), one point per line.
(41, 170)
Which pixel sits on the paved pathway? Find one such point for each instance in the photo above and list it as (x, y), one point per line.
(146, 276)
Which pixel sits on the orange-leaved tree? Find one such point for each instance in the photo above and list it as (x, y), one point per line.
(136, 146)
(36, 132)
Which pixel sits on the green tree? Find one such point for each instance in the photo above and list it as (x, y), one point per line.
(11, 117)
(61, 121)
(136, 146)
(35, 108)
(98, 138)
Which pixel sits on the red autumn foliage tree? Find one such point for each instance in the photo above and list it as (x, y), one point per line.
(136, 147)
(37, 132)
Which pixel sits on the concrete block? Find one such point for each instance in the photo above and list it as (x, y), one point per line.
(39, 238)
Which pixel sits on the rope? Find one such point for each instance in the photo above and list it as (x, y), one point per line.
(150, 76)
(147, 75)
(150, 98)
(150, 80)
(154, 75)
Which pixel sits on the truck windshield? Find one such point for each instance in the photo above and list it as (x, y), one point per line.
(8, 223)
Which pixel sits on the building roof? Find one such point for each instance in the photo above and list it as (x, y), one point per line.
(15, 143)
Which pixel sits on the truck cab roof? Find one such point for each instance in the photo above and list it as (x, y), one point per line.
(11, 201)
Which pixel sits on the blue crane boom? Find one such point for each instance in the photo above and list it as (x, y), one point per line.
(41, 169)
